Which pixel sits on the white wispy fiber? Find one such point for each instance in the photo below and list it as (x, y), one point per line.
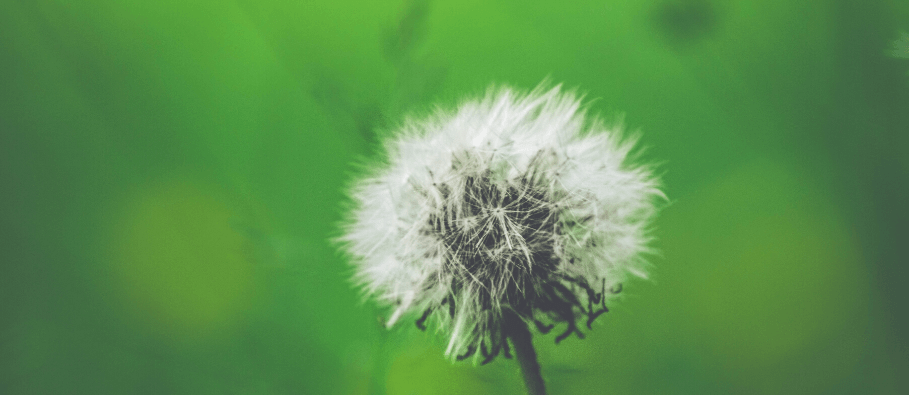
(515, 201)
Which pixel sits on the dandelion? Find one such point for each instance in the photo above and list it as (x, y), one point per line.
(513, 210)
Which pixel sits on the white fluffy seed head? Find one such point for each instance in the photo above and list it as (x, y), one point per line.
(512, 202)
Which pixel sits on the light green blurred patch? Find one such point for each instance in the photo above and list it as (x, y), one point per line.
(763, 275)
(780, 270)
(179, 262)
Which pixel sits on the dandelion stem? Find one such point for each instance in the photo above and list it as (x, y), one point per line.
(516, 329)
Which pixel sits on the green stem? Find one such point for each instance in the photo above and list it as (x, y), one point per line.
(517, 331)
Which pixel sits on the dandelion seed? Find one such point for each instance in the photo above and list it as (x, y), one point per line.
(512, 209)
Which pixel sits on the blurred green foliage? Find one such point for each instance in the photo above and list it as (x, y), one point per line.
(172, 171)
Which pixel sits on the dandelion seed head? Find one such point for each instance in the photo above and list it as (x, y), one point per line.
(512, 201)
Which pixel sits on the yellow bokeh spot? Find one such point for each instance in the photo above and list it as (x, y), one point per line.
(179, 260)
(770, 269)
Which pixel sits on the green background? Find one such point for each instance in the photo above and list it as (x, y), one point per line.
(171, 171)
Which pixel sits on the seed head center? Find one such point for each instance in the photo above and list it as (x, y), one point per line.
(499, 236)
